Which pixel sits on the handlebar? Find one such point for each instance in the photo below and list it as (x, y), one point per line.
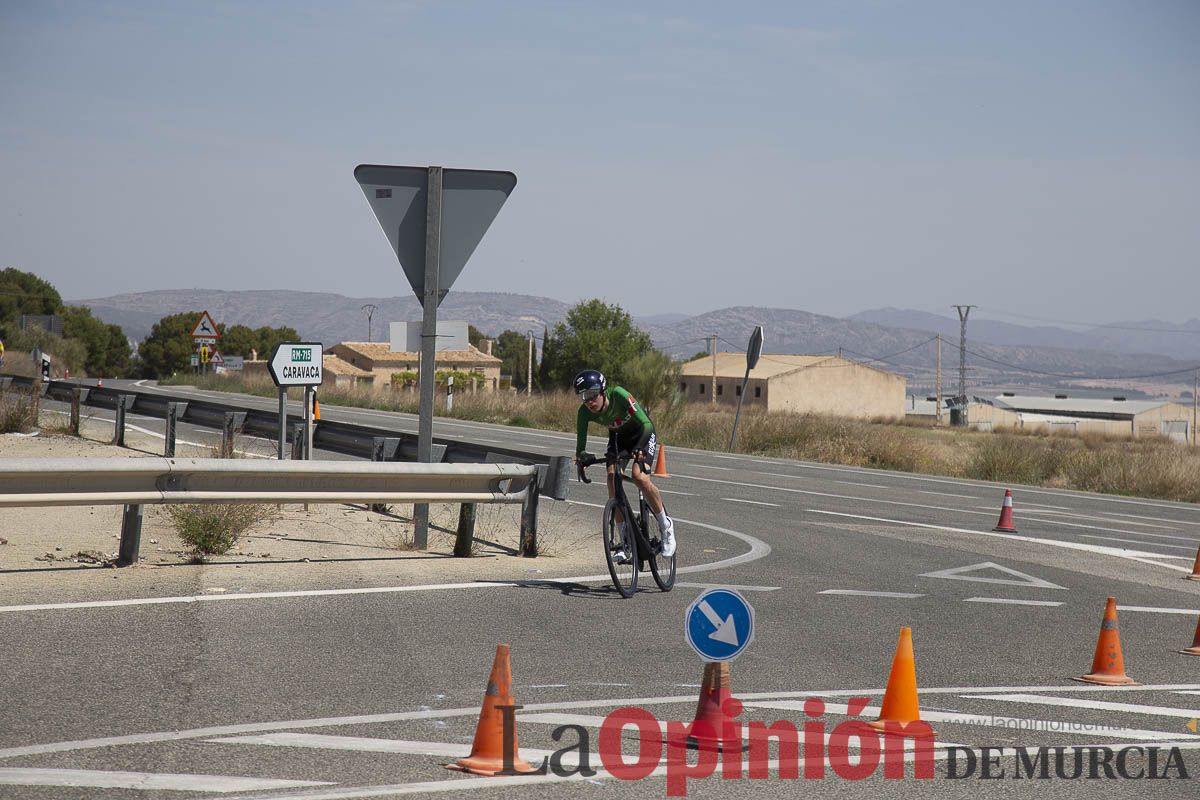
(587, 459)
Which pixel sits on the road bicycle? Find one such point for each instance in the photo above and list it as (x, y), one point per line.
(639, 539)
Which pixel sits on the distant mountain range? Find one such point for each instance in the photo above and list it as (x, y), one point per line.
(1001, 355)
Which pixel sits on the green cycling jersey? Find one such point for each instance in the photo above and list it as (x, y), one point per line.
(621, 415)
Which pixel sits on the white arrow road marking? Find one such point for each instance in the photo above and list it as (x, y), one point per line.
(1017, 579)
(97, 779)
(726, 630)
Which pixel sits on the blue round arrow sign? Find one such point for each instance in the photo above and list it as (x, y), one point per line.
(719, 624)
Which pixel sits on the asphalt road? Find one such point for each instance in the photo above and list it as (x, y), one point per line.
(368, 695)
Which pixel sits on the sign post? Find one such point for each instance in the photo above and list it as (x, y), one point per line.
(296, 364)
(204, 338)
(753, 351)
(432, 247)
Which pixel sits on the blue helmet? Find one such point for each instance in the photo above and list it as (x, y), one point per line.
(589, 383)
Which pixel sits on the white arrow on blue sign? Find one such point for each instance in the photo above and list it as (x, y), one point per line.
(719, 624)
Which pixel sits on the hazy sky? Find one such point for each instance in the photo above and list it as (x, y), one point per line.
(1038, 158)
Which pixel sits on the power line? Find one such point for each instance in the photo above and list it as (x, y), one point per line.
(1111, 326)
(1083, 377)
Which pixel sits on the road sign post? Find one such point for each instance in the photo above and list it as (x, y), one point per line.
(296, 364)
(459, 206)
(719, 625)
(753, 351)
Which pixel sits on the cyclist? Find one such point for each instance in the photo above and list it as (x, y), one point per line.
(629, 430)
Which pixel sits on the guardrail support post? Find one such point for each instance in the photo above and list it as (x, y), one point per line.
(172, 419)
(383, 448)
(234, 422)
(466, 530)
(529, 510)
(297, 441)
(119, 425)
(76, 393)
(131, 535)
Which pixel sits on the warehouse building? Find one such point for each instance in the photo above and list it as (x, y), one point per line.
(797, 383)
(1116, 416)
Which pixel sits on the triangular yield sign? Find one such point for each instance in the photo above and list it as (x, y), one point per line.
(471, 199)
(1017, 579)
(205, 328)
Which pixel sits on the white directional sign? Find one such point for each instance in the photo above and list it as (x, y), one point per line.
(719, 624)
(205, 328)
(297, 364)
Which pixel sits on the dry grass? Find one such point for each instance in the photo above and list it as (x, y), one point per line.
(1155, 468)
(18, 411)
(214, 528)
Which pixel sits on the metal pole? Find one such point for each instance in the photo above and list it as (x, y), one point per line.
(937, 389)
(713, 389)
(169, 437)
(282, 422)
(963, 312)
(529, 378)
(738, 414)
(1195, 387)
(131, 535)
(433, 250)
(308, 423)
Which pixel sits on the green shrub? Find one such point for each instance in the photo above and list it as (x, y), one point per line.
(18, 411)
(213, 529)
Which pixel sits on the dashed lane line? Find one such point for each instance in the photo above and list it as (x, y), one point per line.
(1098, 705)
(863, 593)
(104, 779)
(1008, 601)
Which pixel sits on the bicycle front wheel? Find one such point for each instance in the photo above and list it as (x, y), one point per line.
(620, 551)
(661, 567)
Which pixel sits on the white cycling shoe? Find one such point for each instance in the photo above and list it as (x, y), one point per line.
(668, 538)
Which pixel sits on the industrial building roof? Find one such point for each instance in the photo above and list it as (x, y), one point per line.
(1078, 405)
(733, 365)
(382, 354)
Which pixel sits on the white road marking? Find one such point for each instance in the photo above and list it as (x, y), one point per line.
(1153, 610)
(1076, 702)
(1187, 691)
(1132, 555)
(751, 502)
(758, 549)
(670, 491)
(710, 466)
(1103, 516)
(947, 494)
(989, 720)
(357, 743)
(868, 485)
(858, 593)
(103, 779)
(734, 586)
(964, 574)
(1012, 602)
(1132, 541)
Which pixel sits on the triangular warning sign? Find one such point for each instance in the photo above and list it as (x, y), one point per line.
(205, 328)
(1016, 579)
(215, 358)
(471, 199)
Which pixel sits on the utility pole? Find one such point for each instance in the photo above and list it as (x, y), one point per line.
(937, 384)
(712, 346)
(963, 313)
(370, 308)
(529, 376)
(1195, 388)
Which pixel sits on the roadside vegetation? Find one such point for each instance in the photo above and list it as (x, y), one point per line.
(213, 529)
(1147, 467)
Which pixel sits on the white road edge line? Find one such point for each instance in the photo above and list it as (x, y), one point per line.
(1008, 601)
(862, 593)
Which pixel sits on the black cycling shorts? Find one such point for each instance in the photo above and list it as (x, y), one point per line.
(645, 440)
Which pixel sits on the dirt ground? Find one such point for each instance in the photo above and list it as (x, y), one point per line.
(69, 551)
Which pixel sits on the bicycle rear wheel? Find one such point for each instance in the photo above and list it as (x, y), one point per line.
(661, 567)
(624, 575)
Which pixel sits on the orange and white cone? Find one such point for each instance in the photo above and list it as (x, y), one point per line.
(715, 711)
(1005, 525)
(900, 705)
(660, 465)
(1108, 664)
(1194, 650)
(1195, 576)
(490, 753)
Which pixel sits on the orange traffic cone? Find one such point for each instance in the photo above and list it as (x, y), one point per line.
(490, 753)
(1108, 665)
(316, 410)
(660, 466)
(100, 382)
(1195, 576)
(1194, 650)
(1006, 520)
(900, 706)
(715, 711)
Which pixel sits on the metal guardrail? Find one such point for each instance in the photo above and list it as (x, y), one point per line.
(115, 481)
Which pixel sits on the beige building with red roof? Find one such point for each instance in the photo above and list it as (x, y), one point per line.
(797, 383)
(380, 362)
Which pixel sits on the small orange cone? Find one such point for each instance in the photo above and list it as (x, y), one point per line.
(660, 466)
(100, 382)
(1195, 576)
(316, 410)
(1108, 665)
(489, 755)
(715, 711)
(1194, 650)
(1006, 520)
(900, 698)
